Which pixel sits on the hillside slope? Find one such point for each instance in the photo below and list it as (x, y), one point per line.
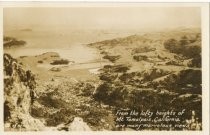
(162, 68)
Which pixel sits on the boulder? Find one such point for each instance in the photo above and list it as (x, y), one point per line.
(79, 125)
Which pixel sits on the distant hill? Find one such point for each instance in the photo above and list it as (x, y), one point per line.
(178, 47)
(153, 37)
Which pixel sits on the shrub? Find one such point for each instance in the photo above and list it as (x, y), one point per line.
(140, 57)
(195, 62)
(60, 62)
(112, 58)
(87, 89)
(142, 50)
(40, 61)
(172, 45)
(102, 92)
(180, 82)
(65, 115)
(192, 51)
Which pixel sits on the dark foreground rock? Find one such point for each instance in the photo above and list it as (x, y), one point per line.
(18, 97)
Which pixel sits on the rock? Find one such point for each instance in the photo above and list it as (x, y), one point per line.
(61, 127)
(32, 124)
(103, 120)
(18, 97)
(79, 125)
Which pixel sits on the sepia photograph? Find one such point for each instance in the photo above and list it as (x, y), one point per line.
(102, 68)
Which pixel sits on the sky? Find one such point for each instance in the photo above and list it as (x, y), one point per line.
(102, 17)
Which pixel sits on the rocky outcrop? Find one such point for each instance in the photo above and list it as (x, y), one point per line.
(79, 125)
(76, 125)
(18, 97)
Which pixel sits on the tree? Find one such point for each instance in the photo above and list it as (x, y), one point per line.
(171, 45)
(101, 93)
(184, 41)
